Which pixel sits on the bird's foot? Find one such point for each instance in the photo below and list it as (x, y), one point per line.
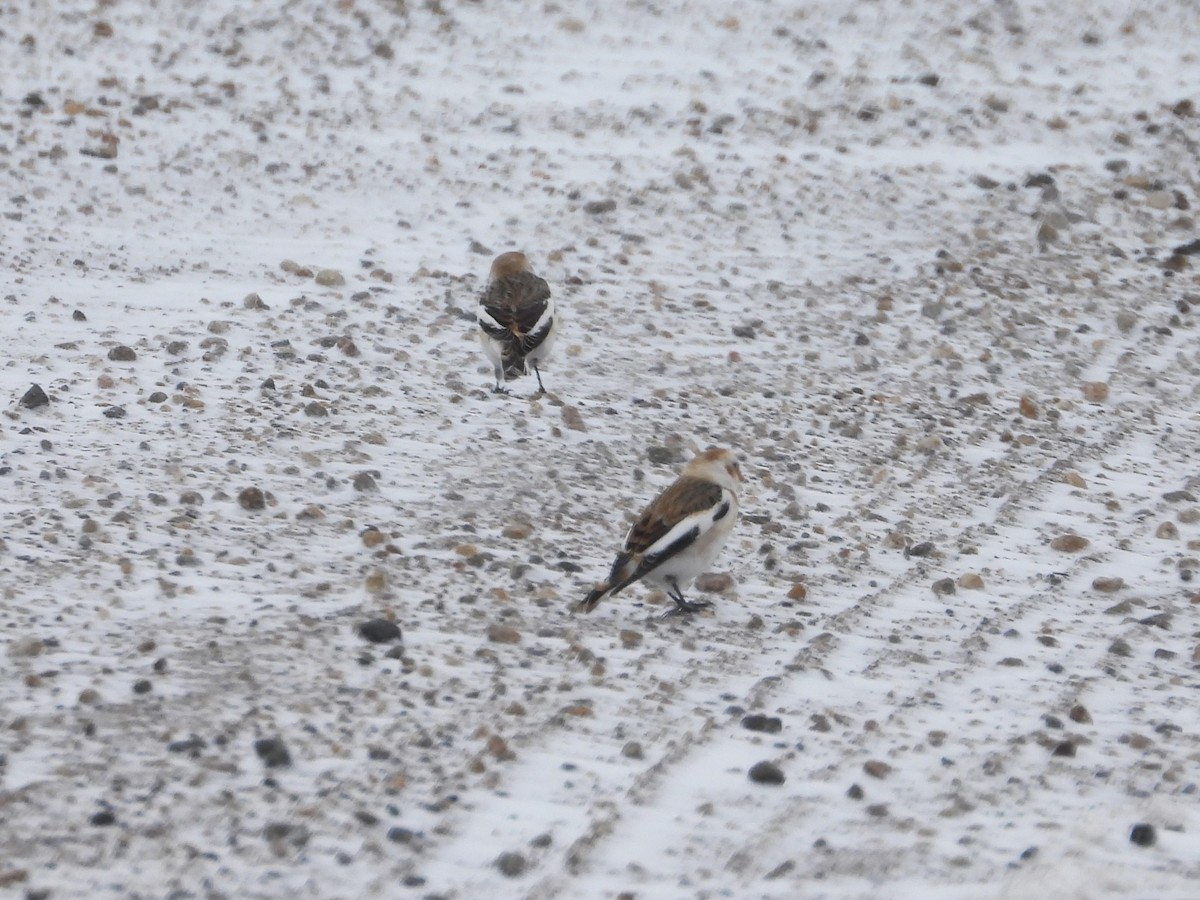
(500, 389)
(686, 608)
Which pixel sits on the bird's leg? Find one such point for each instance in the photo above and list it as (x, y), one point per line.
(683, 607)
(537, 372)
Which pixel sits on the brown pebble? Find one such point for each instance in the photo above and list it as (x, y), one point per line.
(1080, 714)
(498, 747)
(1028, 408)
(1107, 584)
(797, 592)
(876, 768)
(714, 583)
(503, 634)
(572, 418)
(1095, 391)
(517, 530)
(373, 537)
(630, 639)
(1069, 543)
(252, 498)
(971, 581)
(1167, 531)
(121, 353)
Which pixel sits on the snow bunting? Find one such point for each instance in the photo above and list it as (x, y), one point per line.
(516, 317)
(678, 535)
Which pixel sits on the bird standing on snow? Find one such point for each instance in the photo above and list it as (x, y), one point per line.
(516, 317)
(678, 535)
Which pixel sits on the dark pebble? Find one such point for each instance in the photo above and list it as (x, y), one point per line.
(122, 354)
(272, 752)
(599, 207)
(107, 817)
(398, 835)
(365, 482)
(768, 724)
(664, 456)
(766, 773)
(922, 549)
(511, 864)
(780, 870)
(313, 408)
(1143, 835)
(929, 79)
(34, 397)
(158, 397)
(379, 631)
(115, 412)
(1064, 748)
(79, 316)
(855, 792)
(189, 745)
(252, 498)
(142, 686)
(744, 331)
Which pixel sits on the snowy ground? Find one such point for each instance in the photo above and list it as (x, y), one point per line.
(943, 233)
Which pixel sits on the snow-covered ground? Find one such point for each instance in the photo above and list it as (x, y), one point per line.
(913, 261)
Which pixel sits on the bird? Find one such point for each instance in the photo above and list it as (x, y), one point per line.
(679, 534)
(517, 319)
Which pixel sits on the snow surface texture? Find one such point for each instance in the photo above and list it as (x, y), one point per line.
(912, 261)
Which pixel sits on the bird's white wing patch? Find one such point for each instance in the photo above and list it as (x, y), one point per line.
(701, 521)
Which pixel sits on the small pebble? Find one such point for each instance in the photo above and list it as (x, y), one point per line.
(503, 634)
(877, 768)
(714, 583)
(34, 397)
(379, 631)
(252, 498)
(273, 752)
(511, 864)
(1069, 543)
(572, 418)
(121, 353)
(766, 772)
(1143, 835)
(766, 724)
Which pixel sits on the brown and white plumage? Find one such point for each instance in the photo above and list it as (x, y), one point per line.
(680, 533)
(517, 322)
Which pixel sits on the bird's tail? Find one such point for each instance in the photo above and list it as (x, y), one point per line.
(592, 600)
